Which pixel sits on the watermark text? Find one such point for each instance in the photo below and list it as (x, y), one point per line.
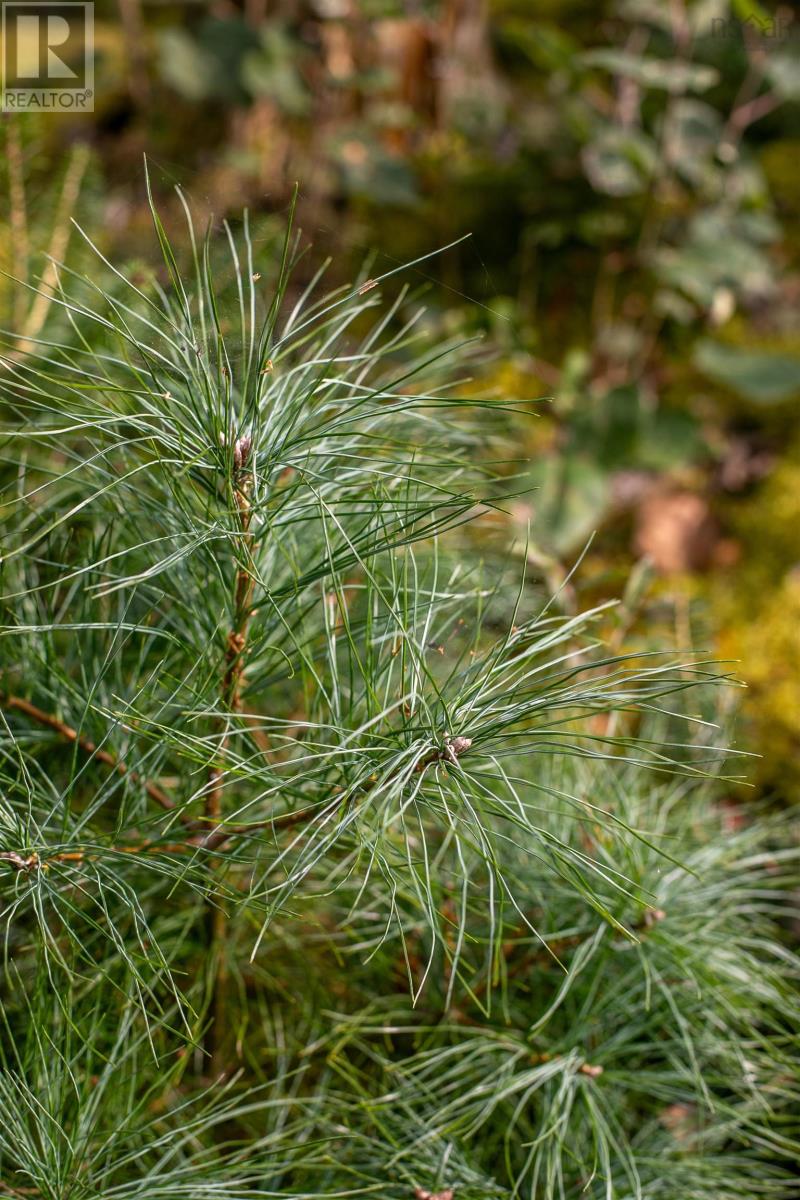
(47, 56)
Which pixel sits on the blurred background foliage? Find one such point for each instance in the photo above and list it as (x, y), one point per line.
(628, 170)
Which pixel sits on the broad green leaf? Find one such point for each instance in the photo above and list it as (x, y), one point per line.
(756, 375)
(670, 75)
(185, 65)
(620, 162)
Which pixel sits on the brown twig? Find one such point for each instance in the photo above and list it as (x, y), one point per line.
(233, 670)
(35, 861)
(258, 735)
(22, 862)
(748, 106)
(211, 840)
(89, 747)
(449, 752)
(223, 833)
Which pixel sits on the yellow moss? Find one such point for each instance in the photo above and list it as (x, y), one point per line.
(767, 526)
(779, 163)
(757, 606)
(769, 649)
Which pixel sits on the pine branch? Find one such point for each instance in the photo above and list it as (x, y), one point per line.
(215, 839)
(90, 748)
(36, 862)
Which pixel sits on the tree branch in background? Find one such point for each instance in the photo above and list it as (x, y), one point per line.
(59, 240)
(17, 211)
(130, 12)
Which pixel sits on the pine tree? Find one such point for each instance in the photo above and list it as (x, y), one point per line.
(336, 860)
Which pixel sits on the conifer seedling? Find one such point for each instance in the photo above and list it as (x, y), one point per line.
(336, 859)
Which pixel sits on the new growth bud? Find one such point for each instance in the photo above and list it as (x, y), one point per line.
(241, 451)
(453, 747)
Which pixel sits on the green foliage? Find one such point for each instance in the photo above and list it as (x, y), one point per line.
(335, 861)
(758, 376)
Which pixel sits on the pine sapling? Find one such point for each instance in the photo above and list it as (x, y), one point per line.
(336, 858)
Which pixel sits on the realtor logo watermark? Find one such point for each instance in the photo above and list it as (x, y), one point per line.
(754, 29)
(48, 56)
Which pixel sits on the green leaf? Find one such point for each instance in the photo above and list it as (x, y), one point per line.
(756, 375)
(620, 162)
(670, 75)
(783, 72)
(185, 65)
(718, 252)
(272, 71)
(570, 502)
